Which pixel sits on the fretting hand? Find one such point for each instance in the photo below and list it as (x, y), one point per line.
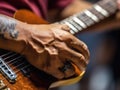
(49, 47)
(52, 48)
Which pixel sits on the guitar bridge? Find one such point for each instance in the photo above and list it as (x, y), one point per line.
(7, 71)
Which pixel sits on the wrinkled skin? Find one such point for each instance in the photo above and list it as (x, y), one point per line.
(48, 47)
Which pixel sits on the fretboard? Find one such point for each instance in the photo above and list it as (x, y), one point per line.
(91, 16)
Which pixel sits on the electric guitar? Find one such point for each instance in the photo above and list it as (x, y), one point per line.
(18, 74)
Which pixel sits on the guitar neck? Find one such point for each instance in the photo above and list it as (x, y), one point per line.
(91, 16)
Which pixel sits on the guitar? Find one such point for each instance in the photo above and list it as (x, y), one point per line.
(18, 74)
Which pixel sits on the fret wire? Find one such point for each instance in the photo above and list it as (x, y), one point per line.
(71, 27)
(101, 10)
(86, 19)
(108, 5)
(82, 24)
(75, 25)
(83, 17)
(91, 15)
(98, 14)
(63, 22)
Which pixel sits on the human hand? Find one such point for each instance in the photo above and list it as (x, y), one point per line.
(52, 48)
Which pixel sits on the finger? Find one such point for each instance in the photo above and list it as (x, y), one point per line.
(80, 47)
(58, 67)
(66, 52)
(61, 69)
(53, 67)
(78, 59)
(67, 69)
(73, 43)
(75, 57)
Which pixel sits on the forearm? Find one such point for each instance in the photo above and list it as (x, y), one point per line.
(12, 36)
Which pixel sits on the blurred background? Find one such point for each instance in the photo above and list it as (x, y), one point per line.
(103, 71)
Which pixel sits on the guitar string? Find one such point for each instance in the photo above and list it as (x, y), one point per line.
(9, 56)
(15, 59)
(18, 70)
(5, 54)
(17, 66)
(12, 60)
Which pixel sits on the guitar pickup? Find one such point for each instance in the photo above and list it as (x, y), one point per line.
(7, 71)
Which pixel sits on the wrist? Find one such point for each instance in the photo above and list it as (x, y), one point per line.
(20, 42)
(13, 34)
